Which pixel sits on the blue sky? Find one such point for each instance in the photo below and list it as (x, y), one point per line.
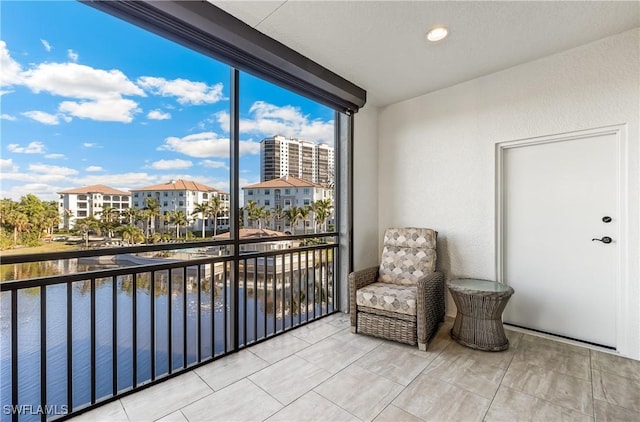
(89, 99)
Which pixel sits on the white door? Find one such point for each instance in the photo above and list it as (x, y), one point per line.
(557, 197)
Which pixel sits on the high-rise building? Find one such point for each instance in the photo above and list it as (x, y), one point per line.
(280, 156)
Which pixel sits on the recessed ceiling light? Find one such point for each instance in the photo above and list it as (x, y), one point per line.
(437, 33)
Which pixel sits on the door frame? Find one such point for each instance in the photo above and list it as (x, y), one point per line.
(624, 300)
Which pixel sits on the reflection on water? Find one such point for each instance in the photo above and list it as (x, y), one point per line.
(269, 302)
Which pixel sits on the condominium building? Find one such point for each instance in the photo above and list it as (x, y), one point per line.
(89, 201)
(280, 156)
(284, 193)
(183, 195)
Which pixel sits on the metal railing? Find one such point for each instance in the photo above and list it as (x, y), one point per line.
(75, 341)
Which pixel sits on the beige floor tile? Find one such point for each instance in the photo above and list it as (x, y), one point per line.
(361, 341)
(360, 392)
(546, 343)
(109, 412)
(556, 359)
(512, 405)
(397, 362)
(316, 331)
(242, 401)
(433, 400)
(608, 412)
(312, 407)
(229, 369)
(331, 354)
(165, 398)
(564, 390)
(498, 359)
(290, 378)
(339, 319)
(616, 390)
(468, 371)
(176, 416)
(613, 364)
(392, 413)
(279, 347)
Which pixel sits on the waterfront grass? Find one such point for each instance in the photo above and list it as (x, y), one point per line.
(45, 248)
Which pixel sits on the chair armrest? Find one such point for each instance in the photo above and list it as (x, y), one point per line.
(357, 280)
(429, 305)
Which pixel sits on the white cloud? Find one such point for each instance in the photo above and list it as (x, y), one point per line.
(72, 55)
(8, 165)
(52, 170)
(206, 144)
(79, 81)
(46, 118)
(94, 168)
(46, 45)
(127, 180)
(268, 120)
(5, 116)
(171, 164)
(54, 156)
(158, 115)
(43, 191)
(213, 164)
(90, 145)
(5, 91)
(34, 177)
(106, 110)
(9, 68)
(187, 92)
(34, 147)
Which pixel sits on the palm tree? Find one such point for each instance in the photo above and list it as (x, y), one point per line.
(178, 218)
(252, 210)
(110, 217)
(131, 234)
(265, 215)
(278, 216)
(215, 208)
(322, 209)
(86, 225)
(204, 210)
(304, 213)
(131, 214)
(293, 215)
(152, 208)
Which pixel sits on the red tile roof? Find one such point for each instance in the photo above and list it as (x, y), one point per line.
(102, 189)
(178, 185)
(284, 182)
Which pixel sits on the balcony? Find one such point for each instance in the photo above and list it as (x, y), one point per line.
(323, 372)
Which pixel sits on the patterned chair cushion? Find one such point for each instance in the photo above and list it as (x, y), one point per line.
(388, 297)
(408, 254)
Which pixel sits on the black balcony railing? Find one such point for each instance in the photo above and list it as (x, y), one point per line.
(75, 341)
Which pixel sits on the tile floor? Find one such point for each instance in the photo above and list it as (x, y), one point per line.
(322, 372)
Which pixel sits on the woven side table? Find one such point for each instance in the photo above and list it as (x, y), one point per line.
(478, 322)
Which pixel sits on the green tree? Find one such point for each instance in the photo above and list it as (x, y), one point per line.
(110, 218)
(87, 225)
(215, 208)
(304, 213)
(178, 218)
(278, 215)
(131, 234)
(253, 211)
(152, 211)
(322, 209)
(292, 214)
(204, 210)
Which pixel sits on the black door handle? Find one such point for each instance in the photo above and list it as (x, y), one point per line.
(605, 239)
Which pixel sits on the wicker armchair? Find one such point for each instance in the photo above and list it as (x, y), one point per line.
(403, 298)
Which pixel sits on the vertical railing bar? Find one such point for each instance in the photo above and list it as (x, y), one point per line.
(306, 285)
(184, 317)
(244, 301)
(114, 335)
(43, 352)
(315, 296)
(299, 288)
(170, 324)
(264, 271)
(275, 292)
(255, 297)
(224, 307)
(291, 290)
(70, 347)
(93, 341)
(213, 309)
(14, 354)
(326, 278)
(320, 265)
(152, 323)
(283, 287)
(199, 317)
(134, 334)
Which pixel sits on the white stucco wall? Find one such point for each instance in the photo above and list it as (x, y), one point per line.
(437, 151)
(365, 195)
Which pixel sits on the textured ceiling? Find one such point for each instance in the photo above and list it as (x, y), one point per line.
(381, 46)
